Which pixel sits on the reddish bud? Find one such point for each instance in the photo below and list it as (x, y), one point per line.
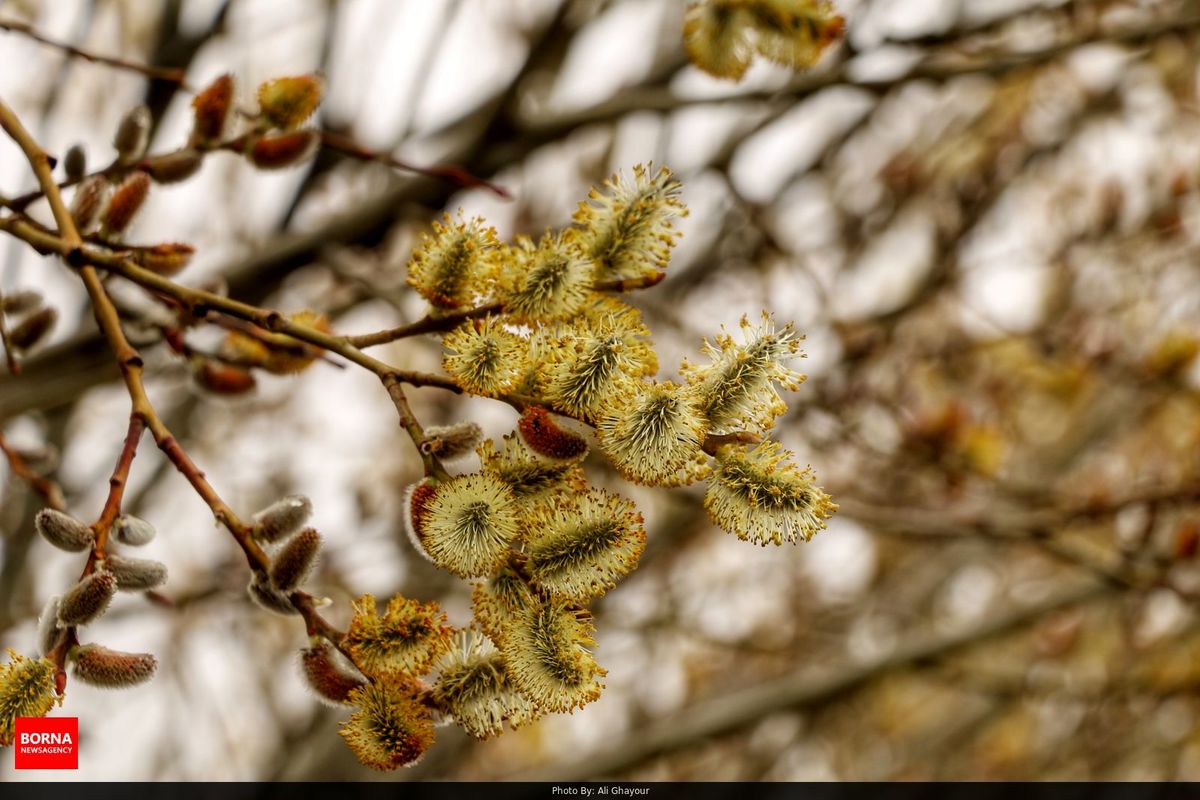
(88, 599)
(287, 102)
(132, 530)
(167, 259)
(417, 498)
(283, 149)
(295, 560)
(89, 197)
(125, 202)
(1187, 540)
(211, 109)
(224, 379)
(329, 673)
(112, 669)
(546, 436)
(174, 167)
(136, 574)
(63, 531)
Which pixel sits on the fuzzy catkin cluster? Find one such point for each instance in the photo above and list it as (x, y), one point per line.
(539, 542)
(722, 37)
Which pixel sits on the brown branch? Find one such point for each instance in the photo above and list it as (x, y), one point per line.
(46, 488)
(329, 139)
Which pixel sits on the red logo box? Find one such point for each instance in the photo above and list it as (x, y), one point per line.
(46, 743)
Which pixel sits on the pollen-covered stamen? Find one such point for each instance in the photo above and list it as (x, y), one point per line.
(405, 640)
(626, 228)
(473, 687)
(470, 523)
(549, 436)
(580, 547)
(288, 102)
(655, 435)
(26, 690)
(762, 497)
(391, 727)
(485, 358)
(112, 669)
(329, 673)
(554, 281)
(736, 389)
(548, 656)
(498, 601)
(454, 266)
(527, 474)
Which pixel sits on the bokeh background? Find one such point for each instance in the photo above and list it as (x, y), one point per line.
(982, 213)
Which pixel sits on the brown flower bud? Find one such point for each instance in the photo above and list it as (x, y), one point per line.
(292, 564)
(89, 197)
(133, 134)
(329, 673)
(33, 329)
(211, 109)
(266, 597)
(112, 669)
(549, 437)
(125, 202)
(174, 167)
(136, 574)
(132, 530)
(287, 102)
(283, 149)
(49, 631)
(167, 259)
(75, 163)
(20, 301)
(416, 506)
(88, 599)
(63, 531)
(223, 378)
(282, 518)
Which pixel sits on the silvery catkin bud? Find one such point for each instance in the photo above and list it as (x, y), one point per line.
(133, 134)
(48, 630)
(132, 530)
(295, 560)
(282, 518)
(89, 197)
(88, 599)
(265, 596)
(136, 574)
(63, 531)
(112, 669)
(450, 442)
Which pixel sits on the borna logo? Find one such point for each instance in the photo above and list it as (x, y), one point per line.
(46, 743)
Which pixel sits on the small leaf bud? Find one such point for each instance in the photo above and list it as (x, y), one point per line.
(33, 329)
(133, 134)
